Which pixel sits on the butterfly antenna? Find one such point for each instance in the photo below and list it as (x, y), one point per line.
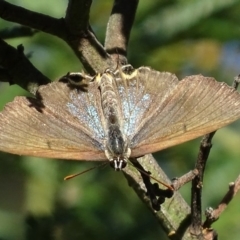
(155, 179)
(88, 170)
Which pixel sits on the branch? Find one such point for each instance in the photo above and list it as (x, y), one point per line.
(77, 15)
(17, 31)
(4, 75)
(90, 52)
(32, 19)
(212, 215)
(196, 204)
(177, 183)
(20, 70)
(79, 36)
(118, 29)
(174, 213)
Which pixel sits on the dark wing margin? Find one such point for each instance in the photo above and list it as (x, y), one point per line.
(50, 126)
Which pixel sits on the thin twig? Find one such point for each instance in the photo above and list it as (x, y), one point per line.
(177, 183)
(196, 205)
(212, 215)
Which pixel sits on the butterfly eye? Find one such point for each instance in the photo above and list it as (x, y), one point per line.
(118, 163)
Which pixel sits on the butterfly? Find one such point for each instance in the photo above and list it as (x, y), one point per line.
(121, 114)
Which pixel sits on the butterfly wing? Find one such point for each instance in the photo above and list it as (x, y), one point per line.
(168, 112)
(60, 123)
(138, 96)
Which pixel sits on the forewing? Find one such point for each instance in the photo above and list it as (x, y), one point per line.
(196, 106)
(61, 123)
(139, 96)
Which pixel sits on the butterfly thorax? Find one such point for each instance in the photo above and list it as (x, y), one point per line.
(116, 144)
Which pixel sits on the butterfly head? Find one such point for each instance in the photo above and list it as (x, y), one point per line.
(118, 160)
(117, 150)
(118, 163)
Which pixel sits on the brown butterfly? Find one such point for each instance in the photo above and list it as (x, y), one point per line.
(126, 113)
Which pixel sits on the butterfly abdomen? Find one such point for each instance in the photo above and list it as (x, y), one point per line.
(116, 145)
(110, 105)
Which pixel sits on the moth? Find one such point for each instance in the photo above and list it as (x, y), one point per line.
(122, 114)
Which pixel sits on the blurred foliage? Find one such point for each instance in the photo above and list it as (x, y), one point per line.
(185, 37)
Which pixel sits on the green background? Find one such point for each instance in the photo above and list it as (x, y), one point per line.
(184, 37)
